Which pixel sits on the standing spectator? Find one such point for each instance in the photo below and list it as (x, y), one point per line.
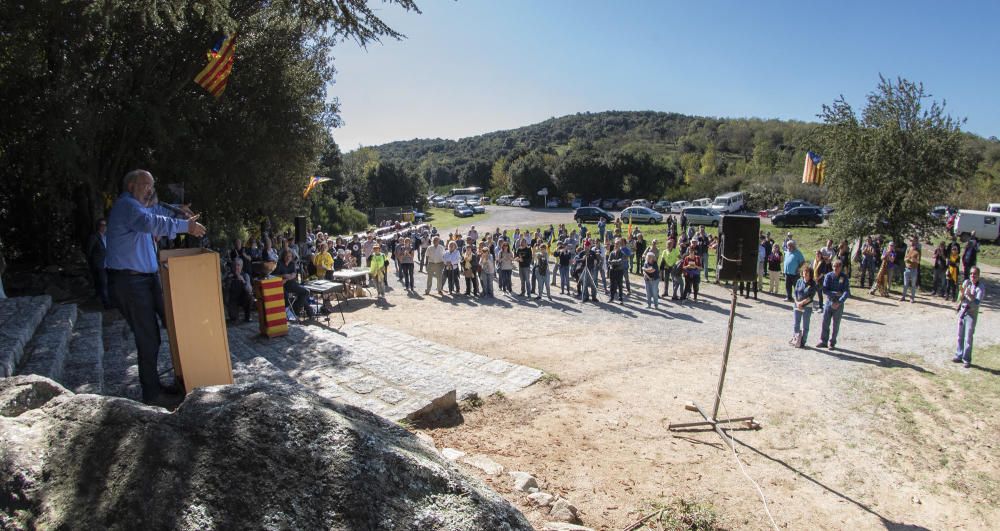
(506, 262)
(589, 261)
(774, 263)
(911, 273)
(970, 254)
(323, 262)
(541, 271)
(564, 258)
(524, 267)
(837, 288)
(844, 254)
(703, 244)
(684, 222)
(805, 289)
(668, 263)
(405, 259)
(377, 266)
(628, 252)
(97, 250)
(488, 268)
(470, 269)
(602, 226)
(238, 292)
(940, 269)
(640, 254)
(602, 253)
(435, 264)
(968, 312)
(889, 262)
(954, 259)
(452, 262)
(868, 266)
(821, 266)
(793, 262)
(691, 264)
(241, 252)
(651, 276)
(617, 268)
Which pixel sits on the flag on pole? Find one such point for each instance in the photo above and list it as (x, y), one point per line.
(215, 75)
(814, 169)
(313, 181)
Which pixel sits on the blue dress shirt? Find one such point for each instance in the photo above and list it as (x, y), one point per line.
(131, 229)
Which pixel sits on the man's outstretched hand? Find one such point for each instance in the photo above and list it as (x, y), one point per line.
(196, 229)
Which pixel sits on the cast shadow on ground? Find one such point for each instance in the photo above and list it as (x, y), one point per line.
(855, 319)
(870, 359)
(889, 524)
(994, 372)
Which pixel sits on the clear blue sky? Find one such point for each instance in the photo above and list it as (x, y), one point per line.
(475, 66)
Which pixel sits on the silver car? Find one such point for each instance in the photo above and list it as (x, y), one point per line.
(702, 216)
(638, 214)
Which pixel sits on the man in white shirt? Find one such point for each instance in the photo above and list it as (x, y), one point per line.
(435, 264)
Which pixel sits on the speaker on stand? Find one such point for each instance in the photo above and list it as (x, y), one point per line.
(300, 229)
(738, 237)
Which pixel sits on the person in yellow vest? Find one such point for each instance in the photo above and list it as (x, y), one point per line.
(668, 268)
(323, 262)
(377, 268)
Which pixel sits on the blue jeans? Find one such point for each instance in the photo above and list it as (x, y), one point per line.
(910, 277)
(564, 278)
(834, 315)
(802, 318)
(652, 292)
(966, 328)
(525, 274)
(486, 279)
(542, 283)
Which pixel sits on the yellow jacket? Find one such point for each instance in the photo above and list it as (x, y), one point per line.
(323, 262)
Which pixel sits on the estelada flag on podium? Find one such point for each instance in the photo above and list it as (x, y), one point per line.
(215, 75)
(814, 169)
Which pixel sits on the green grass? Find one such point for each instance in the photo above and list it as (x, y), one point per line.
(444, 220)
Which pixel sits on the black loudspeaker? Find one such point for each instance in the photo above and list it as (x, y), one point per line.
(739, 237)
(300, 229)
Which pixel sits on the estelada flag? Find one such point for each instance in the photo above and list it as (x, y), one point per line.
(814, 169)
(313, 181)
(215, 75)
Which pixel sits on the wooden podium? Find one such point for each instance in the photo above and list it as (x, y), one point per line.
(196, 319)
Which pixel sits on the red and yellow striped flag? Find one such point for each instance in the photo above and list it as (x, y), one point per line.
(215, 75)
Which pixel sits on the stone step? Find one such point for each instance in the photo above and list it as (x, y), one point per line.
(84, 369)
(120, 363)
(45, 355)
(19, 318)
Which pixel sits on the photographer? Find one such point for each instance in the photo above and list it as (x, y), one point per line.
(968, 313)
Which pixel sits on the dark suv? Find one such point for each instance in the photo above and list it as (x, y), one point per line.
(592, 214)
(803, 215)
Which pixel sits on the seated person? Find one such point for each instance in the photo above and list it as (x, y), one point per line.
(323, 262)
(237, 292)
(288, 270)
(340, 262)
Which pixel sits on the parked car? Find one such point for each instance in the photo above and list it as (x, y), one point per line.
(702, 216)
(504, 199)
(552, 203)
(441, 203)
(729, 203)
(642, 203)
(828, 211)
(795, 203)
(639, 214)
(462, 211)
(809, 216)
(590, 213)
(576, 203)
(608, 204)
(662, 206)
(623, 203)
(521, 202)
(703, 202)
(678, 206)
(941, 212)
(981, 221)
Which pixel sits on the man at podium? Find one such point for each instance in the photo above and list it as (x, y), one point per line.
(133, 282)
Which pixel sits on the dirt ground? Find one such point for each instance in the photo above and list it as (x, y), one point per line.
(883, 432)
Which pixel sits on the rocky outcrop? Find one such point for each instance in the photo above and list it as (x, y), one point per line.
(263, 455)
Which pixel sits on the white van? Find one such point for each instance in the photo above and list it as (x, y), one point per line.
(993, 207)
(984, 223)
(703, 202)
(729, 203)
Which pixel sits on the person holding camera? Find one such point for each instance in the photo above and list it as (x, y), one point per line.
(968, 312)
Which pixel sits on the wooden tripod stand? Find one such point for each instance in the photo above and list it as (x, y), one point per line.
(713, 420)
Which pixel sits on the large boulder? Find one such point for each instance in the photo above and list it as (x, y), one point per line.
(263, 455)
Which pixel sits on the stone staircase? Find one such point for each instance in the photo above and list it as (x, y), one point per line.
(52, 340)
(387, 372)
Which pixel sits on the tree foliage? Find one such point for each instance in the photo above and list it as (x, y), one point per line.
(889, 166)
(90, 90)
